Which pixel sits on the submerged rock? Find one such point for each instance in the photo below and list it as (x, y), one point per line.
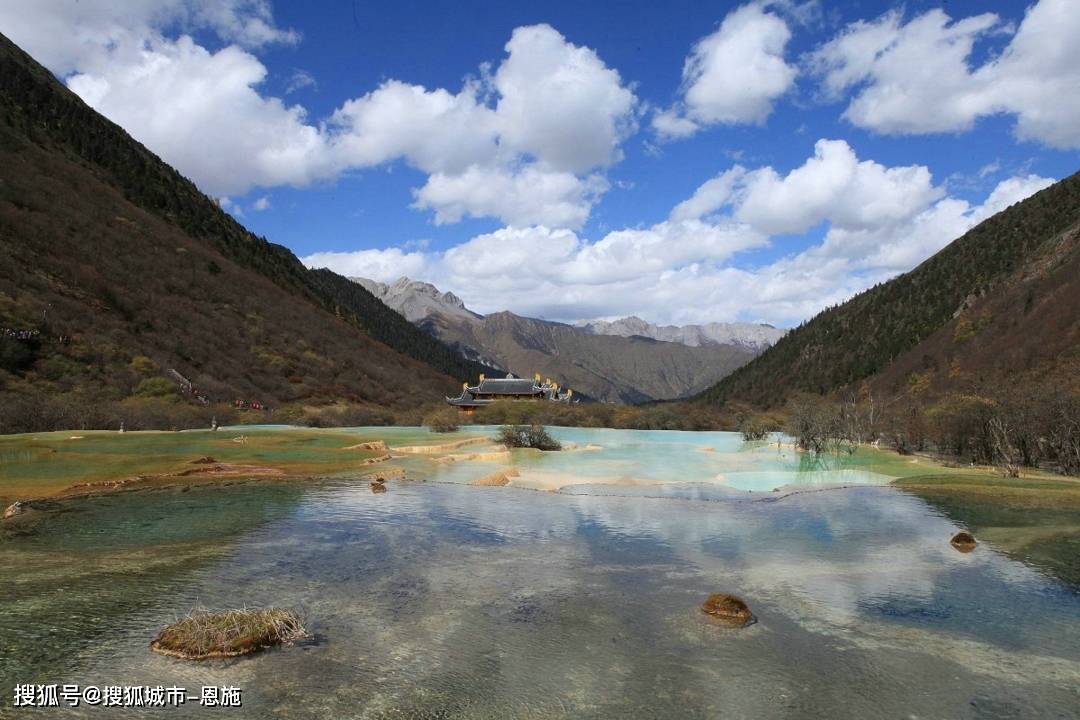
(963, 541)
(729, 608)
(16, 508)
(378, 485)
(203, 634)
(499, 478)
(372, 445)
(204, 460)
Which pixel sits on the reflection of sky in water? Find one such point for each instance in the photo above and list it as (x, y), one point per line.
(498, 602)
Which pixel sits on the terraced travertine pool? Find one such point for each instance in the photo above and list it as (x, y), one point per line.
(439, 598)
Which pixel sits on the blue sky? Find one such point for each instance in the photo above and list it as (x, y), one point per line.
(539, 157)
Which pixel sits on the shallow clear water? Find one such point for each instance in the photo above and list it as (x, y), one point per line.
(444, 600)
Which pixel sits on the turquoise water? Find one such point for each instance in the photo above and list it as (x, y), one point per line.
(660, 463)
(437, 599)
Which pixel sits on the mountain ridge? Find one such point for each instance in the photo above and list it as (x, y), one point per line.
(605, 366)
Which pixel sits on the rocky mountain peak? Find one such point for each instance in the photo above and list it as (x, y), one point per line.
(416, 299)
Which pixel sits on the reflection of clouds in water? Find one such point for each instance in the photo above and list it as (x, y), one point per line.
(495, 600)
(829, 552)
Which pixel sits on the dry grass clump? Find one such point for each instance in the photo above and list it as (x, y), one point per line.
(963, 541)
(203, 634)
(444, 421)
(728, 608)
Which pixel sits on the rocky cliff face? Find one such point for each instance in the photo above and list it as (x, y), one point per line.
(416, 300)
(619, 365)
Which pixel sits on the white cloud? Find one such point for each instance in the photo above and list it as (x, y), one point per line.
(560, 103)
(299, 80)
(68, 36)
(669, 124)
(732, 76)
(262, 203)
(529, 196)
(208, 120)
(834, 185)
(881, 221)
(710, 196)
(435, 130)
(518, 160)
(382, 265)
(497, 147)
(915, 77)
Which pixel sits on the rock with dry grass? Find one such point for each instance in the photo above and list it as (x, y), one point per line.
(729, 608)
(203, 634)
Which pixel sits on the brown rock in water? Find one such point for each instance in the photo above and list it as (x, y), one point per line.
(378, 486)
(204, 460)
(728, 608)
(15, 508)
(963, 541)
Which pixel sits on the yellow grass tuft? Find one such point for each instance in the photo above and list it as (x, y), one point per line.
(203, 634)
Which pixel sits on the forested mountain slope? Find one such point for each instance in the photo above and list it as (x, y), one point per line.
(1006, 291)
(115, 269)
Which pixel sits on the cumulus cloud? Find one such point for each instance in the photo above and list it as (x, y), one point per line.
(208, 120)
(68, 36)
(435, 130)
(516, 160)
(915, 77)
(526, 196)
(384, 265)
(492, 148)
(732, 76)
(833, 185)
(560, 103)
(880, 221)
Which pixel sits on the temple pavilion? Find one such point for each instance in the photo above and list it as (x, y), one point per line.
(511, 387)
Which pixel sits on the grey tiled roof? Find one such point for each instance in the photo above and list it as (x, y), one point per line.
(515, 386)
